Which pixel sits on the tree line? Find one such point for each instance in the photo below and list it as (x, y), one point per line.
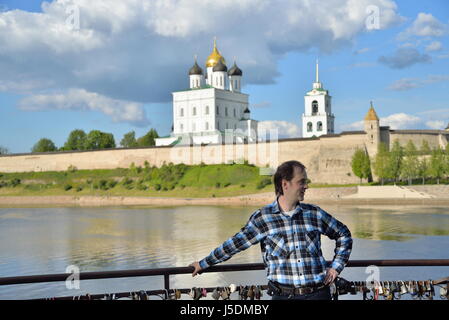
(402, 163)
(96, 140)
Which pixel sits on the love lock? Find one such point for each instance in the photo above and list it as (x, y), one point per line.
(216, 293)
(243, 292)
(403, 288)
(251, 293)
(204, 292)
(443, 291)
(232, 287)
(177, 294)
(386, 288)
(257, 292)
(225, 294)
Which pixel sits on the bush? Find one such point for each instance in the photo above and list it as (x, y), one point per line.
(218, 185)
(157, 187)
(78, 189)
(14, 182)
(263, 183)
(242, 185)
(103, 184)
(227, 184)
(67, 187)
(112, 184)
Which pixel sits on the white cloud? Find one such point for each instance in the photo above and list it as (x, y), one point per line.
(80, 99)
(394, 121)
(411, 83)
(141, 50)
(284, 129)
(435, 124)
(434, 46)
(425, 25)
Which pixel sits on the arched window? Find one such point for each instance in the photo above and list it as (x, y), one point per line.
(309, 127)
(319, 126)
(181, 114)
(194, 111)
(314, 107)
(218, 110)
(226, 111)
(234, 113)
(221, 81)
(207, 109)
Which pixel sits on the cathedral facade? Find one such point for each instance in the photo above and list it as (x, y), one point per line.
(213, 109)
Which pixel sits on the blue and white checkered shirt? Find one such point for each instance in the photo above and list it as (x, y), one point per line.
(291, 247)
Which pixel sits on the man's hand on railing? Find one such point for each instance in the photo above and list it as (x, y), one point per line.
(197, 268)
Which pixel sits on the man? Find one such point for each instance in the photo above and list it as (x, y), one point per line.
(289, 235)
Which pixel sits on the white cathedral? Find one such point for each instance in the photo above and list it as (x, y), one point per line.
(213, 108)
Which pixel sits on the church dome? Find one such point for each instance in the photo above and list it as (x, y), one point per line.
(246, 110)
(214, 57)
(220, 66)
(195, 69)
(235, 71)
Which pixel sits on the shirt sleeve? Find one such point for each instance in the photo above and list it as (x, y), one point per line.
(339, 232)
(250, 234)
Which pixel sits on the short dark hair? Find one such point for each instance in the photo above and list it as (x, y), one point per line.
(285, 171)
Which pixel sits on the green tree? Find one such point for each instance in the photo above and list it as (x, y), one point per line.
(129, 140)
(99, 140)
(76, 140)
(425, 149)
(410, 163)
(395, 161)
(423, 169)
(361, 165)
(148, 139)
(437, 164)
(44, 145)
(381, 162)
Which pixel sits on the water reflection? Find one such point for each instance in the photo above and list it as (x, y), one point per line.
(47, 240)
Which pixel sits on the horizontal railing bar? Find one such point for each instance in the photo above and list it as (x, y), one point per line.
(217, 268)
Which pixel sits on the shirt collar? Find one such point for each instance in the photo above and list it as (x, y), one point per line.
(275, 208)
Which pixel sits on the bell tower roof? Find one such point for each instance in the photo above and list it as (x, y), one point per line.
(371, 115)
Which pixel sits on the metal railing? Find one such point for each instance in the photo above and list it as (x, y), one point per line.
(167, 272)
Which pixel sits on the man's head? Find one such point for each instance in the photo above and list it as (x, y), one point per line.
(290, 180)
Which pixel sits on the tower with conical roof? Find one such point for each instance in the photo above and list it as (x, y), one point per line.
(317, 119)
(372, 129)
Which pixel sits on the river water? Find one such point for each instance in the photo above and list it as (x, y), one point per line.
(48, 240)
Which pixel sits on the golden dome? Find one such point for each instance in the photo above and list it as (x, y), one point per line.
(371, 115)
(214, 57)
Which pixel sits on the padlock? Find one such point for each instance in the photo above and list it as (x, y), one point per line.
(443, 292)
(192, 293)
(257, 292)
(225, 294)
(251, 293)
(204, 292)
(216, 293)
(232, 287)
(177, 294)
(403, 288)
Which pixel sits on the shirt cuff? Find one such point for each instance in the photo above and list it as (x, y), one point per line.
(337, 266)
(204, 264)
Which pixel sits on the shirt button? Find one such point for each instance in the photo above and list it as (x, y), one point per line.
(299, 260)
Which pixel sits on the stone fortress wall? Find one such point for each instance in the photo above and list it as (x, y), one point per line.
(327, 158)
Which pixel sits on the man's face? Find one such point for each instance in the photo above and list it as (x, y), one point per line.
(295, 188)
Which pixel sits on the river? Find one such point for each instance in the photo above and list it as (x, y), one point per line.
(48, 240)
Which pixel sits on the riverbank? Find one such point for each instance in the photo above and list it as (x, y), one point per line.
(437, 195)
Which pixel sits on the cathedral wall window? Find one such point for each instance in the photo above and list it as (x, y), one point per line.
(207, 125)
(218, 110)
(309, 127)
(319, 126)
(234, 113)
(207, 109)
(194, 111)
(226, 111)
(181, 113)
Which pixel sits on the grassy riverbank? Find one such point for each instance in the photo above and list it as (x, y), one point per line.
(167, 181)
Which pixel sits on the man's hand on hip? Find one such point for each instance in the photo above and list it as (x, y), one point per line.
(331, 275)
(197, 268)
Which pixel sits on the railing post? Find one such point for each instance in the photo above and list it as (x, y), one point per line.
(167, 282)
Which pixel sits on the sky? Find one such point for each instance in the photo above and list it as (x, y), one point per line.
(111, 65)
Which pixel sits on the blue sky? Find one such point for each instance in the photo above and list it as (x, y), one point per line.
(112, 65)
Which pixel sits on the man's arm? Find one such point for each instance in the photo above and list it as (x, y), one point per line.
(339, 232)
(250, 234)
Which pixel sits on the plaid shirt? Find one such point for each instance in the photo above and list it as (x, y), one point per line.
(291, 247)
